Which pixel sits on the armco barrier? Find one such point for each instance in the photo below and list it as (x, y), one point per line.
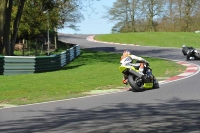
(1, 65)
(10, 65)
(18, 65)
(50, 63)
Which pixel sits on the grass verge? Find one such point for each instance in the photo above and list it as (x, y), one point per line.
(90, 71)
(162, 39)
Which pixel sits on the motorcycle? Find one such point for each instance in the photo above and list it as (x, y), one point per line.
(190, 53)
(193, 54)
(139, 82)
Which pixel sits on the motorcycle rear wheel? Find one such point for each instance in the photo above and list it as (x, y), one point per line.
(134, 84)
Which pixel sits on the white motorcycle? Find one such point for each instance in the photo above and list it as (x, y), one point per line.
(190, 53)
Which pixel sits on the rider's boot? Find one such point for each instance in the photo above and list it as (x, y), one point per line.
(125, 81)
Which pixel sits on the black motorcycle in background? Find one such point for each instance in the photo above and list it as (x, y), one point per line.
(190, 53)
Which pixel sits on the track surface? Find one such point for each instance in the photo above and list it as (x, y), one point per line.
(172, 108)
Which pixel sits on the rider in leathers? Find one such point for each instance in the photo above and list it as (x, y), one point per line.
(139, 62)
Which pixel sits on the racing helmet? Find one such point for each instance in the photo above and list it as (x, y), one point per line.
(126, 53)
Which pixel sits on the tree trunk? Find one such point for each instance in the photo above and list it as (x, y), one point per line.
(2, 20)
(16, 25)
(6, 34)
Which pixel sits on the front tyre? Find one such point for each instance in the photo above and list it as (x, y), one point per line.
(187, 57)
(135, 83)
(189, 53)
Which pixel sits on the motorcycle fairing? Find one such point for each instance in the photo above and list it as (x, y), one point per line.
(124, 69)
(131, 69)
(148, 85)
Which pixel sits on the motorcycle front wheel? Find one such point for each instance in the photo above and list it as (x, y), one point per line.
(188, 56)
(135, 83)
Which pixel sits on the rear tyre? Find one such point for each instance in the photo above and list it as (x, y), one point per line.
(155, 83)
(135, 83)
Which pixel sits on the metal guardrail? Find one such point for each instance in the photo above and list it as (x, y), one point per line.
(1, 65)
(11, 65)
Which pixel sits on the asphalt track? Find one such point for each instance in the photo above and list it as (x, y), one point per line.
(174, 107)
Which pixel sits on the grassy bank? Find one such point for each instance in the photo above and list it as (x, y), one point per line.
(163, 39)
(91, 71)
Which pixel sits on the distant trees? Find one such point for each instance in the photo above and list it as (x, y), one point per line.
(181, 15)
(151, 9)
(154, 15)
(124, 13)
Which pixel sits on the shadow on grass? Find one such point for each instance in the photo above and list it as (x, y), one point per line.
(108, 55)
(92, 57)
(113, 57)
(167, 117)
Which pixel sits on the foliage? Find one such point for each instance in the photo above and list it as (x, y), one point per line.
(154, 15)
(38, 15)
(35, 17)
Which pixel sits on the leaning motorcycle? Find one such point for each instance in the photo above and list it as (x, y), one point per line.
(139, 82)
(193, 54)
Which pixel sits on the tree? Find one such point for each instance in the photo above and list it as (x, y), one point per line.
(61, 13)
(2, 21)
(70, 13)
(6, 34)
(152, 9)
(154, 15)
(34, 20)
(181, 16)
(16, 24)
(124, 13)
(189, 6)
(6, 29)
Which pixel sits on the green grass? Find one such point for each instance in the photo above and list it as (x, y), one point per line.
(163, 39)
(90, 71)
